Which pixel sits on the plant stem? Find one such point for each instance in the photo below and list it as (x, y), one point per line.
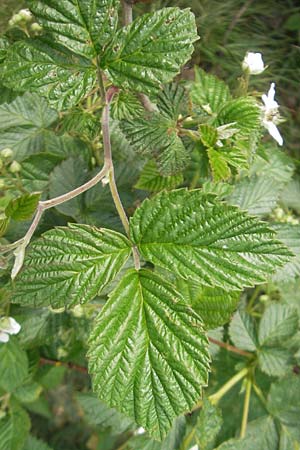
(215, 398)
(127, 12)
(230, 348)
(69, 365)
(253, 298)
(246, 408)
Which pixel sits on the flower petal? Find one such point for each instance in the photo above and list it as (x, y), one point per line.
(4, 337)
(274, 132)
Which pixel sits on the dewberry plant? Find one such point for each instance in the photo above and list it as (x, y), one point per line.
(132, 232)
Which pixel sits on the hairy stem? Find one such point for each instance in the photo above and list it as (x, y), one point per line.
(246, 408)
(230, 348)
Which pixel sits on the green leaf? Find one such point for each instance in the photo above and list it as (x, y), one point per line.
(158, 136)
(151, 180)
(214, 305)
(208, 425)
(36, 170)
(209, 90)
(195, 236)
(28, 393)
(243, 332)
(258, 195)
(148, 352)
(70, 265)
(22, 124)
(14, 429)
(284, 402)
(275, 362)
(278, 324)
(84, 26)
(51, 70)
(243, 112)
(208, 135)
(170, 101)
(291, 195)
(150, 51)
(36, 326)
(32, 443)
(290, 236)
(22, 208)
(97, 414)
(126, 105)
(218, 164)
(13, 367)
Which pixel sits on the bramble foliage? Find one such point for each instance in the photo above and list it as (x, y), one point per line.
(183, 318)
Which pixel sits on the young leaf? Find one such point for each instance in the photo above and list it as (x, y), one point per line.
(151, 180)
(70, 265)
(22, 208)
(209, 91)
(83, 26)
(196, 236)
(148, 352)
(278, 324)
(52, 70)
(150, 51)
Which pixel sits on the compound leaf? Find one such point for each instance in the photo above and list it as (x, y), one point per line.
(151, 51)
(148, 352)
(196, 236)
(83, 26)
(69, 265)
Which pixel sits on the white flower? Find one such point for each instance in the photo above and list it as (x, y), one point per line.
(271, 114)
(253, 63)
(25, 14)
(139, 431)
(8, 326)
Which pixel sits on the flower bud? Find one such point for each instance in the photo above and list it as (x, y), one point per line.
(15, 167)
(35, 27)
(6, 153)
(25, 15)
(253, 63)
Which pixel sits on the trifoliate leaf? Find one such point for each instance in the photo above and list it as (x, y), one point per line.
(209, 92)
(23, 123)
(278, 324)
(69, 265)
(83, 26)
(151, 50)
(151, 180)
(22, 208)
(243, 331)
(52, 70)
(214, 305)
(195, 236)
(148, 352)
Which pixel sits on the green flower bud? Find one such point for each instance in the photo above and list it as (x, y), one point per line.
(15, 167)
(6, 153)
(25, 14)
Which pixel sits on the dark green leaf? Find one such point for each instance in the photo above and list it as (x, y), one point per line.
(208, 425)
(151, 51)
(68, 266)
(151, 180)
(148, 352)
(197, 237)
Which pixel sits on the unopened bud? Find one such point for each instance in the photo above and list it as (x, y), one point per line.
(6, 153)
(15, 167)
(25, 14)
(36, 27)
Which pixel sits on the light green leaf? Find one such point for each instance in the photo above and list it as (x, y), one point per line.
(290, 236)
(258, 195)
(196, 236)
(209, 90)
(14, 429)
(148, 352)
(278, 165)
(14, 365)
(219, 165)
(243, 112)
(157, 136)
(23, 207)
(98, 414)
(23, 123)
(51, 70)
(84, 26)
(28, 393)
(278, 324)
(243, 332)
(151, 180)
(208, 425)
(70, 265)
(150, 51)
(208, 135)
(214, 305)
(275, 362)
(291, 195)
